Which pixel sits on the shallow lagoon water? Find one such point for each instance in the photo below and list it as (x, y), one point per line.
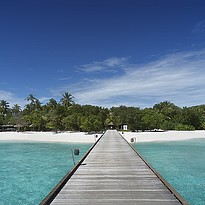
(29, 171)
(181, 163)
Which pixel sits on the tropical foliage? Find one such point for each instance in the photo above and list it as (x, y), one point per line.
(67, 115)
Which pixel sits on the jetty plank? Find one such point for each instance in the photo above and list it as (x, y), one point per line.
(114, 174)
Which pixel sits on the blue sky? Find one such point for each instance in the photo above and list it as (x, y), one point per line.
(104, 52)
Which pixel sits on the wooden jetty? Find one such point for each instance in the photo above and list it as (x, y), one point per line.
(113, 173)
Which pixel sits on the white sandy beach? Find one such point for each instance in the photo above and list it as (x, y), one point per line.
(164, 136)
(72, 137)
(80, 137)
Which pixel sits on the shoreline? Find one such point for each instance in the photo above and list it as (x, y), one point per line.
(164, 136)
(81, 137)
(66, 137)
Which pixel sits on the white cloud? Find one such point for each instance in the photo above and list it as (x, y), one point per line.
(200, 27)
(44, 100)
(179, 77)
(106, 65)
(11, 98)
(112, 62)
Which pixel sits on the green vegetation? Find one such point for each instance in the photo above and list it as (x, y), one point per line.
(67, 115)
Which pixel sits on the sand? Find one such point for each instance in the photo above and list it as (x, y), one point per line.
(81, 137)
(70, 137)
(164, 136)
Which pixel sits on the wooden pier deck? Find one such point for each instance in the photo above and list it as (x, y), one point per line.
(114, 174)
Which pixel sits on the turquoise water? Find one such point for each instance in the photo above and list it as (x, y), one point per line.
(29, 171)
(181, 163)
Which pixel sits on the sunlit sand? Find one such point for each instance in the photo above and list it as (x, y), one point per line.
(81, 137)
(164, 136)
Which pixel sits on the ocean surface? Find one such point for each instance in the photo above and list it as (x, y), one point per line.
(181, 163)
(29, 171)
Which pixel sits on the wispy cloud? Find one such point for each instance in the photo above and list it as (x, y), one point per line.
(106, 65)
(64, 79)
(200, 27)
(44, 100)
(179, 77)
(11, 98)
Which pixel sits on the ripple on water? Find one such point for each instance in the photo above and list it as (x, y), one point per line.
(29, 171)
(181, 163)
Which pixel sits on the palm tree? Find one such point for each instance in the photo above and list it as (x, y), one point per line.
(16, 109)
(167, 108)
(31, 98)
(16, 116)
(34, 102)
(4, 107)
(67, 99)
(52, 104)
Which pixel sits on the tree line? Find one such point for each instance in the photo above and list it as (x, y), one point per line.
(66, 115)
